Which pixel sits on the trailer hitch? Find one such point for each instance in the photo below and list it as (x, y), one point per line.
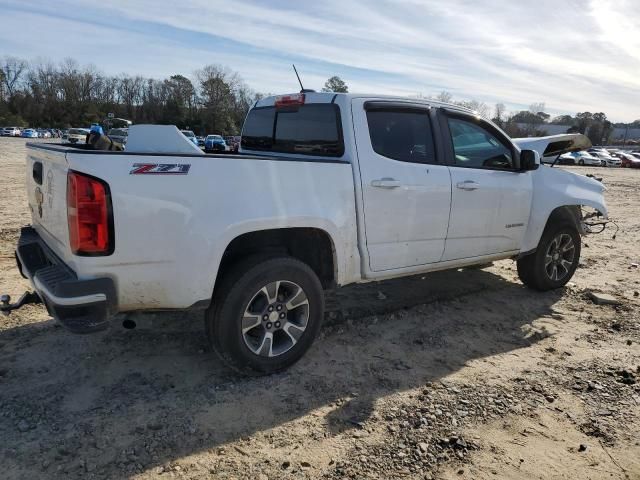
(27, 297)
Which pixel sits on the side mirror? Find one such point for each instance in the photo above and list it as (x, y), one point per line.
(529, 160)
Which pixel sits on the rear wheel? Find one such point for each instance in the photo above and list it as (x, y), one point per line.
(554, 261)
(581, 162)
(266, 314)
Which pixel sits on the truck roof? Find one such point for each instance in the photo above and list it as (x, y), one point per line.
(333, 97)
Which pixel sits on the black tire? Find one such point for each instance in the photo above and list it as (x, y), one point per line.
(581, 162)
(533, 269)
(232, 299)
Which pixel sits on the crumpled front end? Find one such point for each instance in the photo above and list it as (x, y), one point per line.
(553, 189)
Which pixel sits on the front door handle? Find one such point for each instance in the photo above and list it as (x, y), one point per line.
(385, 183)
(468, 185)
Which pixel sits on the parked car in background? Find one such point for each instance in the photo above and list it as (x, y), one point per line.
(29, 133)
(630, 160)
(200, 141)
(44, 133)
(76, 135)
(582, 158)
(215, 143)
(119, 135)
(190, 135)
(606, 160)
(233, 142)
(11, 132)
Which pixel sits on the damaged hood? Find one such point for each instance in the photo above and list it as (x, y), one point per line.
(554, 144)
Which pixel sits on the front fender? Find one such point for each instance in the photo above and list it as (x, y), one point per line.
(554, 188)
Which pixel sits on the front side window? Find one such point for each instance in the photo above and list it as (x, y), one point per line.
(476, 147)
(401, 134)
(311, 129)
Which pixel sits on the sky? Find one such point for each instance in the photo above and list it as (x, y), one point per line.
(573, 55)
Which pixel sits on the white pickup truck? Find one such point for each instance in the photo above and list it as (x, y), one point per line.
(328, 189)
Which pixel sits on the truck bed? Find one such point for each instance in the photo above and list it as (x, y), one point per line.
(174, 214)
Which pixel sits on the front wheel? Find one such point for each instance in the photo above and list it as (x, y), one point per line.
(265, 314)
(554, 261)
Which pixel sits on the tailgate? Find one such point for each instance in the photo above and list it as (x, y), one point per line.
(47, 195)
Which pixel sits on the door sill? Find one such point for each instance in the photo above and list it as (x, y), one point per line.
(437, 266)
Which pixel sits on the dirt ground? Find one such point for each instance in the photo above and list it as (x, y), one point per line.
(457, 375)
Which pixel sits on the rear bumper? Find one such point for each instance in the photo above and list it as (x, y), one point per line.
(82, 306)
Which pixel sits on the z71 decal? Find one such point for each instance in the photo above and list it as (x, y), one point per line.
(160, 169)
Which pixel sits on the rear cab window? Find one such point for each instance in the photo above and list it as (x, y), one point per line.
(401, 133)
(308, 129)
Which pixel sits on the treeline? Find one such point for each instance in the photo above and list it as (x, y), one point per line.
(534, 121)
(214, 100)
(62, 95)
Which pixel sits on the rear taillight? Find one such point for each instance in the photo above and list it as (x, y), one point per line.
(89, 215)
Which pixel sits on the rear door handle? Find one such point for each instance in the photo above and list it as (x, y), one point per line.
(385, 183)
(468, 185)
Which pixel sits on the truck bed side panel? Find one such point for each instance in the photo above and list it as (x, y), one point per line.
(172, 229)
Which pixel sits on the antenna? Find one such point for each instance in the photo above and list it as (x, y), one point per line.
(302, 89)
(299, 81)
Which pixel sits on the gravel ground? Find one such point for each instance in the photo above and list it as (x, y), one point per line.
(463, 374)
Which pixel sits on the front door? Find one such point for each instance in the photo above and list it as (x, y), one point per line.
(406, 193)
(491, 199)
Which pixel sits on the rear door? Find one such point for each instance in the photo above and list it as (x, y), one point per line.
(491, 198)
(406, 191)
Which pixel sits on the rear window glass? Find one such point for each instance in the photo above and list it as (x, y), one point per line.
(403, 135)
(312, 129)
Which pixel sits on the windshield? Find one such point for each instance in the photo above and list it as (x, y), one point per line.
(214, 137)
(188, 133)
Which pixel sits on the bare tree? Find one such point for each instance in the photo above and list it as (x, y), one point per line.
(498, 116)
(536, 108)
(12, 69)
(479, 107)
(217, 87)
(444, 97)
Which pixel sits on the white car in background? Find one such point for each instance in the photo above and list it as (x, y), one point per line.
(11, 132)
(191, 136)
(119, 135)
(76, 135)
(583, 158)
(606, 160)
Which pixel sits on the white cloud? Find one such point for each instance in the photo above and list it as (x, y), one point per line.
(573, 55)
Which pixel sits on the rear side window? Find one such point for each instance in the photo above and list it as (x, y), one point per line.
(312, 129)
(401, 134)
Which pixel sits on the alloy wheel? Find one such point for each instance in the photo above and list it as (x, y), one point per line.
(275, 318)
(559, 257)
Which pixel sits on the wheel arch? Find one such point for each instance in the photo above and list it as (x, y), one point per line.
(570, 214)
(311, 245)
